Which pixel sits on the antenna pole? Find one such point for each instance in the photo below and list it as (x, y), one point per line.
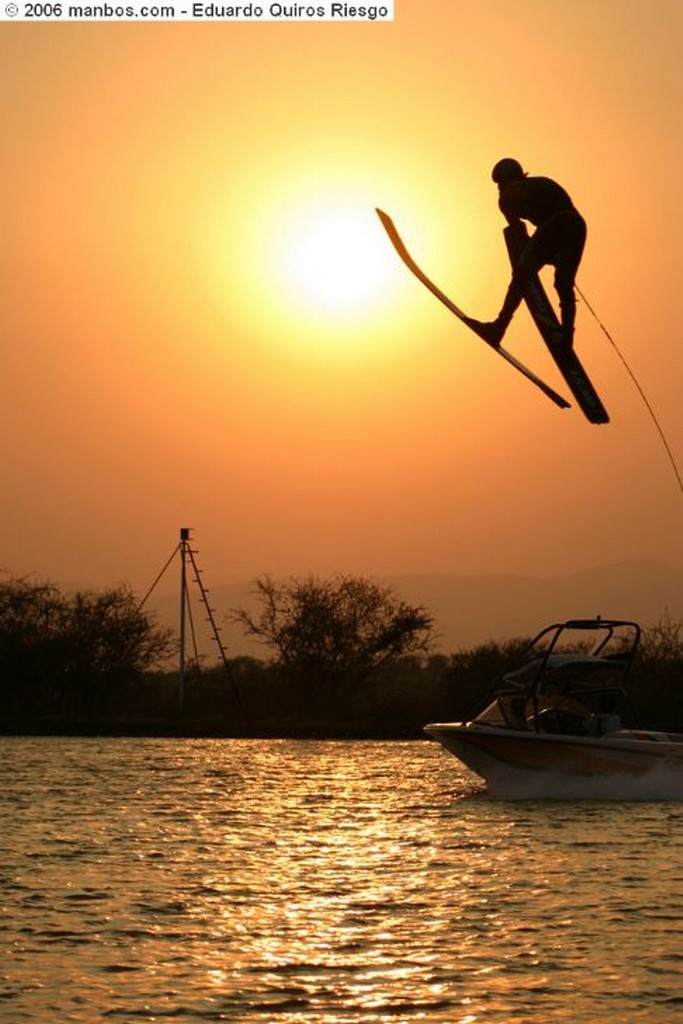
(184, 541)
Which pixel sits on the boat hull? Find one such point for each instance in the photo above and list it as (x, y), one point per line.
(625, 765)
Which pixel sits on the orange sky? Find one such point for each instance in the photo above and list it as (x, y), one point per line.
(203, 324)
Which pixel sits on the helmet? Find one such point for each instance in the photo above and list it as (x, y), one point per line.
(507, 170)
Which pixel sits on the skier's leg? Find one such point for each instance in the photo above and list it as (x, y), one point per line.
(529, 263)
(566, 266)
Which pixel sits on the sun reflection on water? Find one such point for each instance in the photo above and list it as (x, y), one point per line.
(330, 882)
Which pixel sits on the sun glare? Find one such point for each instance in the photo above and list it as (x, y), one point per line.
(332, 258)
(309, 270)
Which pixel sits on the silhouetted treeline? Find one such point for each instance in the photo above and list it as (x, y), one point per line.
(94, 663)
(73, 654)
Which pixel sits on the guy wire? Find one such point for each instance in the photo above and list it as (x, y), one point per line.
(638, 387)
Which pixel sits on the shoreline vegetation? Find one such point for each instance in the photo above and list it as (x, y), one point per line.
(349, 660)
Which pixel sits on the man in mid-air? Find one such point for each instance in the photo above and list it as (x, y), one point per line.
(558, 240)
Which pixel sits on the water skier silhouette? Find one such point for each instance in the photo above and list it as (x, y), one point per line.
(559, 240)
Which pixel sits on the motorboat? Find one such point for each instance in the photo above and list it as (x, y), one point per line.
(558, 722)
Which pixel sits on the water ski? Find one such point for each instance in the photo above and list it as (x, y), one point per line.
(545, 318)
(402, 251)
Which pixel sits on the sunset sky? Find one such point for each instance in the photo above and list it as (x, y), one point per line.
(204, 325)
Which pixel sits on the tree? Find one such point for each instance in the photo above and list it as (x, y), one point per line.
(655, 685)
(30, 627)
(70, 644)
(108, 635)
(663, 642)
(334, 633)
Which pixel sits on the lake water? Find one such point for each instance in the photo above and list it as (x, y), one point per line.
(259, 881)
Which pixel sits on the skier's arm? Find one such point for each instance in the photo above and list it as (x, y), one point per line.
(509, 200)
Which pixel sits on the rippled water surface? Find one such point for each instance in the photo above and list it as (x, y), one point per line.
(211, 880)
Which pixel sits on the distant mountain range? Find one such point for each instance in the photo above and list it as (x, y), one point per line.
(469, 610)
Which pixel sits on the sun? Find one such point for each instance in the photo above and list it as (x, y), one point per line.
(330, 259)
(299, 262)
